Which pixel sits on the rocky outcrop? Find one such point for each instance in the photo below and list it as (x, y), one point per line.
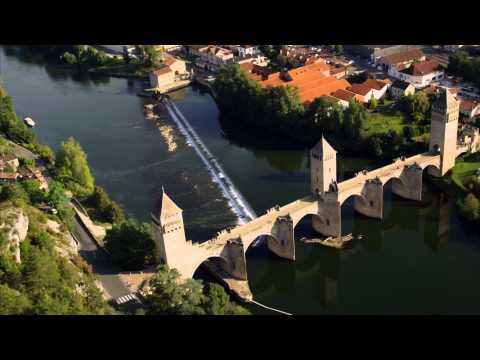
(14, 228)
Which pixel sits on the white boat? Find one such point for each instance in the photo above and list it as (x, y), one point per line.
(29, 121)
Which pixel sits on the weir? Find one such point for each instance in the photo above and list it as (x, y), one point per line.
(237, 202)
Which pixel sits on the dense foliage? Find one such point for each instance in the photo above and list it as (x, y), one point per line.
(72, 168)
(416, 106)
(131, 244)
(102, 208)
(46, 282)
(469, 207)
(466, 66)
(170, 296)
(279, 111)
(85, 56)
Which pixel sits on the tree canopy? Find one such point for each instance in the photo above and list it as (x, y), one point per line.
(72, 168)
(131, 244)
(171, 296)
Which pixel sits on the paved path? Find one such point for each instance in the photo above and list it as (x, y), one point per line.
(107, 273)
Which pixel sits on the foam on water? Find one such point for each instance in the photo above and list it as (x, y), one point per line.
(236, 201)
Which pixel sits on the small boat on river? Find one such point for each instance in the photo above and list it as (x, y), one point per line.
(29, 122)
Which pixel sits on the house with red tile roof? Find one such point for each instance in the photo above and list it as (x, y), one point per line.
(379, 87)
(312, 81)
(172, 71)
(405, 58)
(8, 176)
(469, 109)
(364, 93)
(344, 97)
(419, 74)
(9, 161)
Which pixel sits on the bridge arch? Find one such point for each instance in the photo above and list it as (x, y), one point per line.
(356, 196)
(298, 219)
(431, 169)
(217, 260)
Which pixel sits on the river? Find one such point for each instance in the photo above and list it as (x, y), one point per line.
(421, 259)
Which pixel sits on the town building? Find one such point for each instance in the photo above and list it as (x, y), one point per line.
(168, 48)
(196, 50)
(363, 93)
(470, 136)
(344, 97)
(375, 52)
(403, 58)
(401, 88)
(9, 161)
(244, 50)
(213, 57)
(418, 74)
(257, 60)
(9, 176)
(313, 81)
(172, 73)
(469, 109)
(379, 87)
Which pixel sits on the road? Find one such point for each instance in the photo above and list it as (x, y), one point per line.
(88, 248)
(107, 273)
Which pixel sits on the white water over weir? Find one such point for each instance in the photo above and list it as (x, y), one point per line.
(237, 202)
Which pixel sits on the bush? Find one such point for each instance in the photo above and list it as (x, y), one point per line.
(131, 244)
(72, 168)
(469, 207)
(104, 208)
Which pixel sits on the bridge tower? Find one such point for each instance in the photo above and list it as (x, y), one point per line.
(323, 167)
(444, 128)
(170, 235)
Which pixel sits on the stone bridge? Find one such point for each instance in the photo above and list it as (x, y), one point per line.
(324, 204)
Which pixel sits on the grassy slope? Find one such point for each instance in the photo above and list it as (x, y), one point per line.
(465, 169)
(382, 121)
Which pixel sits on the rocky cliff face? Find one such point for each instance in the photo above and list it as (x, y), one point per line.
(13, 229)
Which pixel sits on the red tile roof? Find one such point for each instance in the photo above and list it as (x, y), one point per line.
(359, 89)
(404, 56)
(310, 80)
(468, 105)
(169, 61)
(8, 175)
(247, 66)
(162, 71)
(376, 84)
(343, 94)
(424, 68)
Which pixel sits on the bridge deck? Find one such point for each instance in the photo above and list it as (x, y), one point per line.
(261, 221)
(386, 171)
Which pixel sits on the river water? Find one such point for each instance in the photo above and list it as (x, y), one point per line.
(421, 259)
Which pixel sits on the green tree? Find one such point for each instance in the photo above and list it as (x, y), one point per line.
(373, 103)
(217, 302)
(470, 207)
(15, 193)
(338, 49)
(12, 302)
(170, 296)
(415, 106)
(131, 244)
(114, 213)
(354, 120)
(36, 195)
(72, 168)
